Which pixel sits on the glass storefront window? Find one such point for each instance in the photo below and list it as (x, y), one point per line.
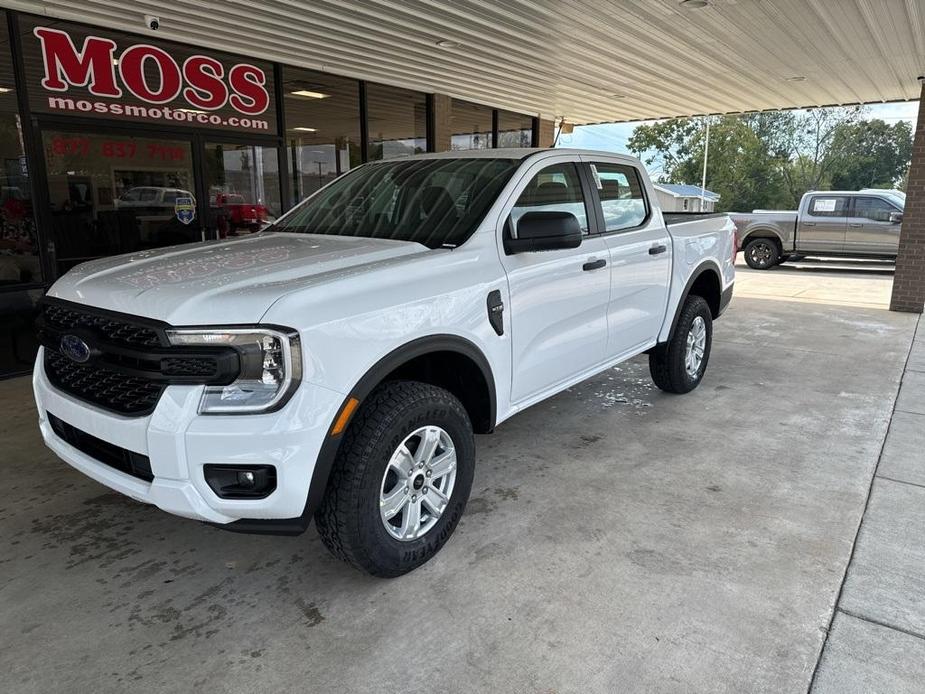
(19, 247)
(470, 124)
(20, 262)
(243, 185)
(397, 121)
(322, 128)
(514, 129)
(117, 194)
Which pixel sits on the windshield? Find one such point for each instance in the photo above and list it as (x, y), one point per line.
(899, 201)
(435, 202)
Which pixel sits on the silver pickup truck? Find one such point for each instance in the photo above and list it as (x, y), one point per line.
(854, 224)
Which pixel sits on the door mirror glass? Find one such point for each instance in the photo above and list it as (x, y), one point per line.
(545, 231)
(896, 217)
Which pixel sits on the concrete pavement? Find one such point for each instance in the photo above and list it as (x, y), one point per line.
(618, 539)
(877, 643)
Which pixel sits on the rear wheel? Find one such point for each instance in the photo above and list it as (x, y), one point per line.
(761, 254)
(400, 481)
(678, 365)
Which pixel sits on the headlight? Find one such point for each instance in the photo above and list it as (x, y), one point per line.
(271, 367)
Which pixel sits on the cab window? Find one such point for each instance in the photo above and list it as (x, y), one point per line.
(620, 191)
(556, 188)
(828, 206)
(874, 209)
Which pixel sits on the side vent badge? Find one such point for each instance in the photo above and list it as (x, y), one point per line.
(496, 311)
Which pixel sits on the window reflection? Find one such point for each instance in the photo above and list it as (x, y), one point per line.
(397, 121)
(322, 128)
(514, 129)
(119, 194)
(470, 124)
(243, 185)
(20, 264)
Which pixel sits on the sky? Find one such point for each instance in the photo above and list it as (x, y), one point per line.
(612, 137)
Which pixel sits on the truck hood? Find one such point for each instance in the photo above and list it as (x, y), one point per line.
(222, 282)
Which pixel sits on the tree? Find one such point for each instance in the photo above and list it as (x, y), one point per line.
(806, 141)
(771, 159)
(741, 167)
(870, 154)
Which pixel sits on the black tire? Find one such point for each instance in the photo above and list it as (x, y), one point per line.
(762, 254)
(348, 519)
(667, 361)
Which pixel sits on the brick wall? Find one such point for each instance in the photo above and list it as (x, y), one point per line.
(442, 122)
(909, 280)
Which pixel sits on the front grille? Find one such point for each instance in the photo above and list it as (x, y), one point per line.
(189, 366)
(121, 459)
(130, 362)
(111, 390)
(121, 332)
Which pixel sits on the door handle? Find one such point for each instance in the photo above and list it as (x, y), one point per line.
(594, 265)
(852, 224)
(809, 224)
(655, 250)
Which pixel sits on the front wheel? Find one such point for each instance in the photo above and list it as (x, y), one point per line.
(761, 254)
(400, 481)
(678, 365)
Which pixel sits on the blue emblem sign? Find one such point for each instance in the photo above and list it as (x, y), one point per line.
(185, 210)
(75, 349)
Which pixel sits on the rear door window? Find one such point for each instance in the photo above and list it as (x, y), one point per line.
(622, 199)
(828, 206)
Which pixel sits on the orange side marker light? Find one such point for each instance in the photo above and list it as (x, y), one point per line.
(344, 416)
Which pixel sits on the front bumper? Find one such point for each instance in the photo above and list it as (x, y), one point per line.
(180, 442)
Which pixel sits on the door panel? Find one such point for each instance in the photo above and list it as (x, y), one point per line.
(558, 315)
(558, 298)
(640, 257)
(823, 225)
(870, 229)
(639, 284)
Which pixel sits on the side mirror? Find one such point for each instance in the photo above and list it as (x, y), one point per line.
(896, 217)
(544, 231)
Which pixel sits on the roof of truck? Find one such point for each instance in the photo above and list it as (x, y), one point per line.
(511, 153)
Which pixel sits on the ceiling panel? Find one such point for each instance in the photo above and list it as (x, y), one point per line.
(588, 60)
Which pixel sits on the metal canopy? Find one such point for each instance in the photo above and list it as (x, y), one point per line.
(588, 60)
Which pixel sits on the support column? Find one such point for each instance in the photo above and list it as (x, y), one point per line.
(442, 123)
(909, 280)
(547, 133)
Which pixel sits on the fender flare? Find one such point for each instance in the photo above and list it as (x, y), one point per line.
(763, 233)
(706, 266)
(328, 453)
(373, 376)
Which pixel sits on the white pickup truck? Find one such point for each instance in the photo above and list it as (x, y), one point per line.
(337, 364)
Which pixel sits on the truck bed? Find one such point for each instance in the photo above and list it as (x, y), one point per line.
(683, 217)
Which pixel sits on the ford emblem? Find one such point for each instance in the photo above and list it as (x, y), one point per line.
(75, 349)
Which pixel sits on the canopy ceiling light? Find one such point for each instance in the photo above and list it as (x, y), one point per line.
(309, 94)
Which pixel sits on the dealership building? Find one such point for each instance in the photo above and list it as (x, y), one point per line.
(117, 136)
(115, 142)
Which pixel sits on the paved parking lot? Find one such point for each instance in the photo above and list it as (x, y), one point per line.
(618, 539)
